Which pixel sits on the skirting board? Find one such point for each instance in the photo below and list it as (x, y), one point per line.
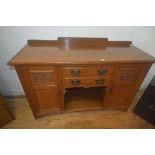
(13, 93)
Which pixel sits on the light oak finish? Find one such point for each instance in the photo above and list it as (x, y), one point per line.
(47, 69)
(91, 70)
(119, 43)
(42, 43)
(54, 55)
(87, 82)
(82, 43)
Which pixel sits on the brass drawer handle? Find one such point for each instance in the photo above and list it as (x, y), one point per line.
(75, 82)
(99, 82)
(75, 72)
(102, 71)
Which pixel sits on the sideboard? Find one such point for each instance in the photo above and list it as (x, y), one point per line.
(48, 69)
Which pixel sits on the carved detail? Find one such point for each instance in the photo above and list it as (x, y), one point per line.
(44, 77)
(129, 75)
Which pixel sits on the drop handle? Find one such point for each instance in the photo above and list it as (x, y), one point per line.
(102, 71)
(75, 72)
(99, 82)
(75, 82)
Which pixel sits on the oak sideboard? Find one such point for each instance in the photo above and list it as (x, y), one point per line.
(48, 69)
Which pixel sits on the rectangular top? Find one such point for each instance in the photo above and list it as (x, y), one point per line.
(46, 54)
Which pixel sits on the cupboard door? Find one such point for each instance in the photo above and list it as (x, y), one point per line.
(47, 99)
(41, 87)
(126, 83)
(119, 96)
(44, 85)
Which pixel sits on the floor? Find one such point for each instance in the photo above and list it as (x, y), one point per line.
(95, 119)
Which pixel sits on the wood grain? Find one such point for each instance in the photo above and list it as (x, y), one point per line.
(47, 53)
(88, 70)
(119, 43)
(82, 43)
(48, 68)
(42, 43)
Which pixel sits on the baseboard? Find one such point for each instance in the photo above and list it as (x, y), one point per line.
(13, 94)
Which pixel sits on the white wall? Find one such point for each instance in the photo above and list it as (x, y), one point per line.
(12, 39)
(144, 38)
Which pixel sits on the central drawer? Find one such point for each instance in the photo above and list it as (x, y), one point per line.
(85, 71)
(87, 82)
(88, 76)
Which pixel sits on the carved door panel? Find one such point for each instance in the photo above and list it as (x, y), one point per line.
(127, 74)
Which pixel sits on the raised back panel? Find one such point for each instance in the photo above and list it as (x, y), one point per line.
(42, 43)
(119, 43)
(79, 43)
(82, 43)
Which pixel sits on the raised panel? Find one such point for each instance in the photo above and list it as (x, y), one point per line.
(47, 99)
(127, 74)
(42, 77)
(118, 96)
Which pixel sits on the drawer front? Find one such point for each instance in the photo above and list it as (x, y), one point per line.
(87, 82)
(77, 71)
(128, 74)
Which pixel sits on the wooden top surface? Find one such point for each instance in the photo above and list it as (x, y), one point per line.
(55, 55)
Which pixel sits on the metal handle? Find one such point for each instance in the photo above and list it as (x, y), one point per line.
(75, 72)
(75, 82)
(102, 71)
(99, 82)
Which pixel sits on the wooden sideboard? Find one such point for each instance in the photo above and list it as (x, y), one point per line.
(48, 68)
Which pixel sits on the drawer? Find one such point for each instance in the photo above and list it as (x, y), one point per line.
(128, 74)
(100, 70)
(87, 82)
